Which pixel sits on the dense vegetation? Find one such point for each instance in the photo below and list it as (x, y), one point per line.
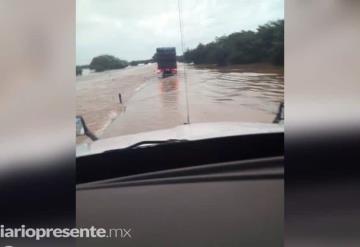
(107, 62)
(264, 45)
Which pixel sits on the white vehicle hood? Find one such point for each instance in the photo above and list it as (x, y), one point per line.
(195, 131)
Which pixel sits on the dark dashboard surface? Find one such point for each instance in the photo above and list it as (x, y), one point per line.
(125, 162)
(242, 205)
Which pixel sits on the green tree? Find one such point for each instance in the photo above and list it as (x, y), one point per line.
(107, 62)
(264, 45)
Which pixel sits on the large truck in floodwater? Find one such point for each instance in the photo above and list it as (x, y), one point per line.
(166, 60)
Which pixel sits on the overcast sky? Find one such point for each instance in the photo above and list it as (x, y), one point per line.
(132, 29)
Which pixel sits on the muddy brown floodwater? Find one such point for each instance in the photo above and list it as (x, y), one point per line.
(246, 93)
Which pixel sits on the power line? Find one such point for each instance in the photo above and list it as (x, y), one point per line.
(185, 76)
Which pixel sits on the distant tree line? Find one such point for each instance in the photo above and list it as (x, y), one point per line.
(108, 62)
(180, 59)
(79, 69)
(264, 45)
(137, 62)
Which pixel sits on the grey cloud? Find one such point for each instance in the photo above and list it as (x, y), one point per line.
(132, 29)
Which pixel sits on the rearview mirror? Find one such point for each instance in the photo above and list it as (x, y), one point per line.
(82, 129)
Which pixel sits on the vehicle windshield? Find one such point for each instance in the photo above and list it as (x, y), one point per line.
(160, 64)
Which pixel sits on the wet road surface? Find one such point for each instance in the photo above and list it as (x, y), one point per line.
(234, 94)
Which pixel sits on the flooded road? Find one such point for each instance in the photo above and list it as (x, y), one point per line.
(231, 94)
(97, 94)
